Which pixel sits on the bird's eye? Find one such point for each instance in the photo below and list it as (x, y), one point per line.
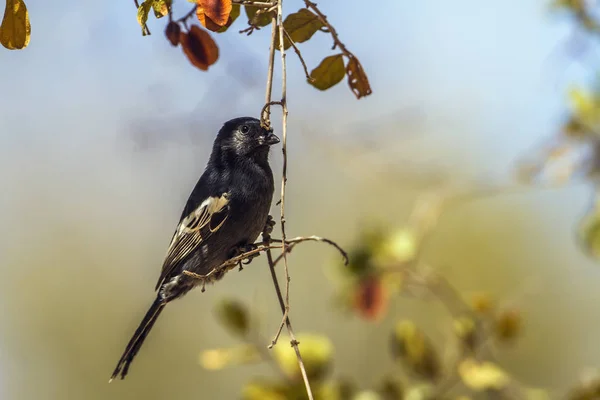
(245, 129)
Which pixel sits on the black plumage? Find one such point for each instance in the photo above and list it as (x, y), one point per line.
(225, 213)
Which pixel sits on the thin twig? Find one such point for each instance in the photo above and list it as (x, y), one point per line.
(284, 251)
(188, 15)
(334, 35)
(137, 7)
(254, 3)
(299, 55)
(281, 325)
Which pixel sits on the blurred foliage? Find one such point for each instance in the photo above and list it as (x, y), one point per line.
(574, 151)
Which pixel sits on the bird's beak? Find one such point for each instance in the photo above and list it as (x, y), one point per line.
(271, 139)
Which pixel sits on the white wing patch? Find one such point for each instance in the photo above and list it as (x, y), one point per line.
(205, 220)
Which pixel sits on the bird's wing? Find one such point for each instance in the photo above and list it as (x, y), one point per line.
(193, 230)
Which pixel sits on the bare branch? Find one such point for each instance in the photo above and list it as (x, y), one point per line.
(299, 55)
(254, 3)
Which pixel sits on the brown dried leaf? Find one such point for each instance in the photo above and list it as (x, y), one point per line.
(206, 21)
(172, 32)
(329, 73)
(15, 30)
(216, 10)
(357, 79)
(235, 12)
(199, 47)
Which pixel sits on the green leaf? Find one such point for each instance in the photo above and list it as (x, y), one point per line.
(15, 30)
(142, 14)
(329, 73)
(415, 351)
(234, 316)
(301, 26)
(263, 19)
(589, 229)
(161, 8)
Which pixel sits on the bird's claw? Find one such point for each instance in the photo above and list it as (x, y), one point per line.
(245, 249)
(268, 229)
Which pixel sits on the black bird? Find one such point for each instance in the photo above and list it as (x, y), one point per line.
(223, 216)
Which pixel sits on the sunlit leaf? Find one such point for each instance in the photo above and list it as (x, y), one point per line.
(263, 19)
(482, 303)
(234, 316)
(301, 26)
(465, 329)
(206, 21)
(329, 73)
(413, 349)
(482, 376)
(357, 79)
(217, 359)
(263, 391)
(161, 8)
(199, 47)
(172, 32)
(425, 391)
(235, 13)
(397, 248)
(217, 10)
(367, 395)
(142, 14)
(317, 354)
(15, 30)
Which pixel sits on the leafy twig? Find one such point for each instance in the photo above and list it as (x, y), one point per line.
(137, 6)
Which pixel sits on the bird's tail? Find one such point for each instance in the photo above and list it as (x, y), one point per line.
(138, 339)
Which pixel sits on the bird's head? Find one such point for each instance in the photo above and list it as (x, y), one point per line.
(245, 137)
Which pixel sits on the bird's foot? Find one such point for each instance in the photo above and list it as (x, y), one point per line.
(268, 229)
(238, 251)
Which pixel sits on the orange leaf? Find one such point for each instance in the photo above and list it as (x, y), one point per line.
(357, 79)
(206, 21)
(199, 47)
(217, 10)
(371, 299)
(172, 32)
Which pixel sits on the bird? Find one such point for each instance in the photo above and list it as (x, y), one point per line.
(223, 216)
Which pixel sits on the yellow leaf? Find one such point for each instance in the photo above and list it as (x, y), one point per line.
(398, 248)
(15, 30)
(215, 359)
(142, 14)
(481, 376)
(411, 347)
(317, 354)
(329, 73)
(161, 8)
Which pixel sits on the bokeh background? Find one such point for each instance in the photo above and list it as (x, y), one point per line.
(103, 134)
